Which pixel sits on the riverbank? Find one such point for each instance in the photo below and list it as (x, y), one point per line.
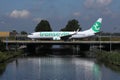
(8, 55)
(109, 57)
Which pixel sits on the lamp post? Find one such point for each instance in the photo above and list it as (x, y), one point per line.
(110, 42)
(111, 35)
(100, 41)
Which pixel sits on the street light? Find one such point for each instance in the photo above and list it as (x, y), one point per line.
(100, 41)
(110, 42)
(111, 35)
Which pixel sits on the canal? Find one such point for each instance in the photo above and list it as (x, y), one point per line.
(56, 68)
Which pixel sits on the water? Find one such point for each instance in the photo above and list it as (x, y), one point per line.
(57, 68)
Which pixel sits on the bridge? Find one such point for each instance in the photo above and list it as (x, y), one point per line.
(82, 45)
(60, 42)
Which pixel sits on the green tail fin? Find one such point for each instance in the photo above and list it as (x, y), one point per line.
(97, 25)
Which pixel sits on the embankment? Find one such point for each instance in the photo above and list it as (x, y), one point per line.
(5, 56)
(109, 57)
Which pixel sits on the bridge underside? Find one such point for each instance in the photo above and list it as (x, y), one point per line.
(79, 46)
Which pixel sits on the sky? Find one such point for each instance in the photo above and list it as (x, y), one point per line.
(24, 15)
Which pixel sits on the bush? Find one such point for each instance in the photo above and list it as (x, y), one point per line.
(2, 46)
(110, 57)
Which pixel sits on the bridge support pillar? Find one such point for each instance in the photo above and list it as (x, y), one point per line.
(76, 49)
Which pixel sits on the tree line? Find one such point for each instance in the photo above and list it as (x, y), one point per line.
(44, 25)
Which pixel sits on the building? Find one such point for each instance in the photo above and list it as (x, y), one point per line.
(4, 34)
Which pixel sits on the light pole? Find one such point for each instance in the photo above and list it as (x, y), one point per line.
(100, 41)
(110, 42)
(111, 35)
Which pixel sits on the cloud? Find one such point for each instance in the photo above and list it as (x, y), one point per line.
(97, 3)
(107, 11)
(88, 3)
(103, 2)
(77, 14)
(20, 14)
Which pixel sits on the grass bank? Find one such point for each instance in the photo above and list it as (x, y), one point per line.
(109, 57)
(5, 56)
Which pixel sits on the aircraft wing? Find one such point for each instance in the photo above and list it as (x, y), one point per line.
(67, 36)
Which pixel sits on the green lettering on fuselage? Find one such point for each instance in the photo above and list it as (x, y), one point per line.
(53, 34)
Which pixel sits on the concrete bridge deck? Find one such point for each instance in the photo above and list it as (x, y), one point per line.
(82, 45)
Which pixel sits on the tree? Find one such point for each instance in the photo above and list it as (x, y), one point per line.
(2, 46)
(72, 25)
(23, 33)
(14, 33)
(43, 26)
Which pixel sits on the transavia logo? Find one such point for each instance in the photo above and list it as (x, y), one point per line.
(53, 34)
(96, 27)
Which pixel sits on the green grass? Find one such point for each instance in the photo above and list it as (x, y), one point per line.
(109, 57)
(4, 56)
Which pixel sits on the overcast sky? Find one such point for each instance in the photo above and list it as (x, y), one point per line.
(26, 14)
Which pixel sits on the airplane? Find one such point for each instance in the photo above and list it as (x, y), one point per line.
(67, 35)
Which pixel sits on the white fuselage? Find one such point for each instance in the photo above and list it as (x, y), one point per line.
(57, 35)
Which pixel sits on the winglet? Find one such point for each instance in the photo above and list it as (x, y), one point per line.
(78, 30)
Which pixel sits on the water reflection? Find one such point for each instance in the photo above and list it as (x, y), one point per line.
(56, 68)
(89, 69)
(52, 68)
(2, 68)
